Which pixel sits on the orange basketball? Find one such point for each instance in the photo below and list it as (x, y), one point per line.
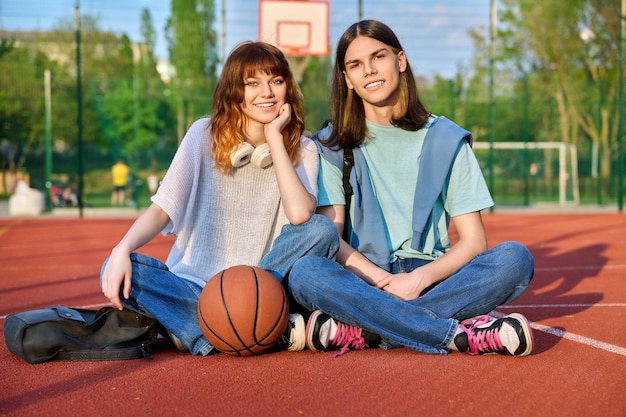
(243, 310)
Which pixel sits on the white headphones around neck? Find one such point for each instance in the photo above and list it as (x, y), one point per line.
(259, 156)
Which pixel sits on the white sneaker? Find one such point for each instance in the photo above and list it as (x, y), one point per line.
(294, 338)
(177, 342)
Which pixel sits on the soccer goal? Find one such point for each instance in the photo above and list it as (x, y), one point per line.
(540, 163)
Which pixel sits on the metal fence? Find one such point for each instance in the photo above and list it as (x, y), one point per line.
(142, 115)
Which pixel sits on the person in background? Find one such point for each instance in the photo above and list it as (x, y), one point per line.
(241, 190)
(56, 195)
(119, 177)
(397, 280)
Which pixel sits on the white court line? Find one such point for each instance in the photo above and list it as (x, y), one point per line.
(563, 305)
(571, 336)
(578, 268)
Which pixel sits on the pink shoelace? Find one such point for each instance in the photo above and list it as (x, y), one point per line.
(481, 340)
(348, 336)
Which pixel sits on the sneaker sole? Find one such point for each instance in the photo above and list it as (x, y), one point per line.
(528, 333)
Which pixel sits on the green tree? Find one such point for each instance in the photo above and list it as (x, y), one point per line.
(315, 86)
(105, 60)
(133, 107)
(6, 46)
(124, 106)
(571, 55)
(21, 105)
(159, 122)
(194, 55)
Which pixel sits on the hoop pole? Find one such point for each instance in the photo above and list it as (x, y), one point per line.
(620, 128)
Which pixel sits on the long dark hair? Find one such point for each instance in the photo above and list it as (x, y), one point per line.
(227, 118)
(347, 111)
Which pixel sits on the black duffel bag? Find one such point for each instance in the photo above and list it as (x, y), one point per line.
(75, 334)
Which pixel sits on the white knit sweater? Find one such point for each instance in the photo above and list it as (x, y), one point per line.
(222, 220)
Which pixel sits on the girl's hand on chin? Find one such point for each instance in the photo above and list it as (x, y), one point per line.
(276, 126)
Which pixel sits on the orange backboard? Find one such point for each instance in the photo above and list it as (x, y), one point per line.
(297, 27)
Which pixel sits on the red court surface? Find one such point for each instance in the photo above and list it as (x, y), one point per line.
(576, 305)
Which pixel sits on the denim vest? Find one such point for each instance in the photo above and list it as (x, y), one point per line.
(367, 232)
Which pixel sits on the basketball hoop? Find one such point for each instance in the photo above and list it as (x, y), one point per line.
(298, 28)
(292, 50)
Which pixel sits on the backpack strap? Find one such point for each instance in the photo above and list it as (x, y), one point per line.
(348, 163)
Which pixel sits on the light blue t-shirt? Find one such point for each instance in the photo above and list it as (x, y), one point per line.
(392, 156)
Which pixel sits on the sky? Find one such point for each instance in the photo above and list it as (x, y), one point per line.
(434, 33)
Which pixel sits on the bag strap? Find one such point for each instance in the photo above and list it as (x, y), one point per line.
(348, 163)
(121, 353)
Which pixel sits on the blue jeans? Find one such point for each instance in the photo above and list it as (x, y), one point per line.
(173, 301)
(427, 323)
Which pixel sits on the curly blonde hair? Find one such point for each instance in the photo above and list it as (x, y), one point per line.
(227, 118)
